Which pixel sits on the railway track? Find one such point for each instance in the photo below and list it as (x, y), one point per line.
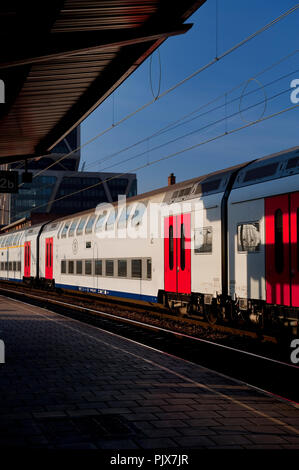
(267, 372)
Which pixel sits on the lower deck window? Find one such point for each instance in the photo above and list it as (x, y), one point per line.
(203, 239)
(71, 267)
(249, 237)
(98, 267)
(122, 267)
(136, 268)
(87, 266)
(79, 267)
(63, 267)
(109, 268)
(149, 268)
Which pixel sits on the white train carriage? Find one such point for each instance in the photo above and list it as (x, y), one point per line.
(264, 235)
(220, 245)
(11, 256)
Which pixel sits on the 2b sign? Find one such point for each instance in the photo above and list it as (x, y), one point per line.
(9, 181)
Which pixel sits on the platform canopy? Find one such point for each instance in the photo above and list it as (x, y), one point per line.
(61, 59)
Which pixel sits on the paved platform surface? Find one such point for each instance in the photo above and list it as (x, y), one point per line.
(66, 384)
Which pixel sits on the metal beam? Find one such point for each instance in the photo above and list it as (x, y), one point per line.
(61, 45)
(17, 158)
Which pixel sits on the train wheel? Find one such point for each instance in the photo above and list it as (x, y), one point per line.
(211, 314)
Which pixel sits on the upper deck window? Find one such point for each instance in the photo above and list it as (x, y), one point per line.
(65, 229)
(260, 172)
(81, 225)
(138, 214)
(100, 221)
(73, 227)
(292, 163)
(111, 219)
(208, 186)
(89, 225)
(123, 218)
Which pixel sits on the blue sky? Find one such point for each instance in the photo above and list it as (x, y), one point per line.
(181, 56)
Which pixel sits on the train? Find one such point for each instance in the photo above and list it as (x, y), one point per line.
(224, 245)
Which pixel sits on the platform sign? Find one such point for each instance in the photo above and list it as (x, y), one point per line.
(9, 181)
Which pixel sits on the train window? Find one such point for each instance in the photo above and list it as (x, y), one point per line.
(2, 266)
(14, 266)
(278, 243)
(73, 228)
(19, 266)
(6, 266)
(10, 266)
(65, 229)
(171, 247)
(136, 268)
(298, 239)
(100, 221)
(208, 186)
(149, 268)
(78, 267)
(63, 266)
(81, 225)
(249, 237)
(122, 268)
(203, 240)
(123, 219)
(88, 267)
(89, 225)
(111, 219)
(138, 214)
(293, 163)
(71, 267)
(98, 267)
(260, 172)
(183, 251)
(109, 267)
(88, 244)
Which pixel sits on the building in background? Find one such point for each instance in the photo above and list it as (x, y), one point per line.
(46, 194)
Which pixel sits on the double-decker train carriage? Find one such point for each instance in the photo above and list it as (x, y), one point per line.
(223, 245)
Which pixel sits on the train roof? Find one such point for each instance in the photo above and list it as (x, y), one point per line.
(276, 165)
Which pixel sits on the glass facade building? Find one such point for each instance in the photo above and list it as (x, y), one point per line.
(47, 192)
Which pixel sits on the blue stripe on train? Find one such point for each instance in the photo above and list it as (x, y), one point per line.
(113, 293)
(10, 279)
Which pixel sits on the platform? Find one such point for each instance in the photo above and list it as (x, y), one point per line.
(66, 384)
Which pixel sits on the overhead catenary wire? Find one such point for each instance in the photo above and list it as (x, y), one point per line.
(178, 84)
(188, 134)
(172, 155)
(178, 123)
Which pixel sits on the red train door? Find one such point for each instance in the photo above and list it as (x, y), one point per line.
(277, 250)
(27, 259)
(49, 259)
(177, 253)
(170, 254)
(294, 224)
